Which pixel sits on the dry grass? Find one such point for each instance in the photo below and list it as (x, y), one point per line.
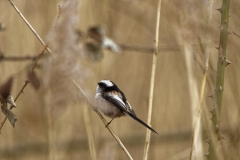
(127, 22)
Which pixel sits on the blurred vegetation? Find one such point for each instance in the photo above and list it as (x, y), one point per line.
(57, 111)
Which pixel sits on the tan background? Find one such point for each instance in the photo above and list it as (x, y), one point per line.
(128, 22)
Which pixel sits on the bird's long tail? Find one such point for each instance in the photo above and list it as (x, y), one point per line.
(140, 121)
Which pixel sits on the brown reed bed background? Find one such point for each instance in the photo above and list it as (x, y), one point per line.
(50, 121)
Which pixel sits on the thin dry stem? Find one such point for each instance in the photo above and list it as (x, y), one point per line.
(20, 92)
(104, 121)
(148, 135)
(38, 58)
(194, 96)
(40, 55)
(206, 64)
(166, 48)
(26, 83)
(29, 25)
(14, 58)
(51, 136)
(89, 130)
(236, 34)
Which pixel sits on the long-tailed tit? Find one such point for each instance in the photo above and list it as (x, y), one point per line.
(111, 101)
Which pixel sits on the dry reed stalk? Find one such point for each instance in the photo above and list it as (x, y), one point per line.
(88, 126)
(154, 63)
(51, 138)
(194, 96)
(103, 120)
(197, 120)
(29, 25)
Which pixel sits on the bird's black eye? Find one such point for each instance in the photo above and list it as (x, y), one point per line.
(101, 85)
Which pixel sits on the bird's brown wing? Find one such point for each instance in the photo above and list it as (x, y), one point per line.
(117, 101)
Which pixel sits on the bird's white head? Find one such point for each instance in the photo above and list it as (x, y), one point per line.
(103, 84)
(108, 83)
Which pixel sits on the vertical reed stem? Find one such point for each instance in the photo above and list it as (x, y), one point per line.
(148, 134)
(89, 130)
(204, 77)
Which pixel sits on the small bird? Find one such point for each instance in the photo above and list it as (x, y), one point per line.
(111, 101)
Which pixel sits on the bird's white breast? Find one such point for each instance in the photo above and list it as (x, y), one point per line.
(106, 107)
